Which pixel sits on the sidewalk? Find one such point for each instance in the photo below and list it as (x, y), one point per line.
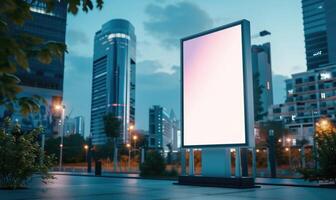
(258, 181)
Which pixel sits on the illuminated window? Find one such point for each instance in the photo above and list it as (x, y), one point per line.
(268, 85)
(290, 92)
(318, 53)
(325, 75)
(118, 35)
(323, 95)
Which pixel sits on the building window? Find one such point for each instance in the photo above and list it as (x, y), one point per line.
(325, 75)
(323, 95)
(268, 85)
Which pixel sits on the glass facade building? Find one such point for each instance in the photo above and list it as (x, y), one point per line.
(319, 20)
(43, 80)
(160, 128)
(113, 78)
(262, 70)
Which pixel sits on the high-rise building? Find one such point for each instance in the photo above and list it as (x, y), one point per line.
(319, 20)
(310, 95)
(262, 78)
(160, 132)
(74, 126)
(113, 78)
(175, 131)
(43, 80)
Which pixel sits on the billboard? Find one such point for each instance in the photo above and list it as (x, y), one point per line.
(215, 79)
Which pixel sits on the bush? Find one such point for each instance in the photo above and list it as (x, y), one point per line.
(154, 164)
(21, 157)
(326, 157)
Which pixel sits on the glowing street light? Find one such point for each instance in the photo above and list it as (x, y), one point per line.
(135, 137)
(61, 108)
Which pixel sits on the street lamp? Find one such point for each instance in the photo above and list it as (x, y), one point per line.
(86, 147)
(129, 156)
(61, 108)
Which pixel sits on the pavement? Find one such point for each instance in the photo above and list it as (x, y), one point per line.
(96, 188)
(259, 181)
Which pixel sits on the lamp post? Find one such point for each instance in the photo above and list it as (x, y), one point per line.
(129, 156)
(61, 132)
(314, 141)
(86, 147)
(289, 152)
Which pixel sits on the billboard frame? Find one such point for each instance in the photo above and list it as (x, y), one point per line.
(248, 105)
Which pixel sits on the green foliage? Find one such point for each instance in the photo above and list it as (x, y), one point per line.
(112, 125)
(73, 148)
(154, 164)
(21, 156)
(326, 157)
(104, 151)
(18, 48)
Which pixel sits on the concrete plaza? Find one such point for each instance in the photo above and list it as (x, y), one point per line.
(95, 188)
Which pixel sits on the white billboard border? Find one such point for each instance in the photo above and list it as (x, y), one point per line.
(248, 85)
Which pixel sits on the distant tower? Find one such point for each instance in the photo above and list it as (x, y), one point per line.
(319, 20)
(262, 75)
(113, 78)
(160, 132)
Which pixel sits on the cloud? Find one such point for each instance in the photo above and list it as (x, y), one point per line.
(148, 67)
(156, 89)
(279, 88)
(75, 37)
(172, 22)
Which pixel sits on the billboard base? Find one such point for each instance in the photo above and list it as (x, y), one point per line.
(226, 182)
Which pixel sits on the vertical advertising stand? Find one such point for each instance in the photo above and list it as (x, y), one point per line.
(217, 102)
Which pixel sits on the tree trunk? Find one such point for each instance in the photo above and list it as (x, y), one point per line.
(115, 155)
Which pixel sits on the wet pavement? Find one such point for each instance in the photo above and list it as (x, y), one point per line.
(95, 188)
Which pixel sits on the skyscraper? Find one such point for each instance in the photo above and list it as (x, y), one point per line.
(319, 20)
(43, 80)
(113, 78)
(74, 126)
(262, 78)
(160, 131)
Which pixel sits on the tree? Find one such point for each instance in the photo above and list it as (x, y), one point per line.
(16, 49)
(112, 126)
(154, 164)
(325, 137)
(20, 151)
(21, 156)
(73, 148)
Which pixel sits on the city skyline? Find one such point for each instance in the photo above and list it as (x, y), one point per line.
(157, 75)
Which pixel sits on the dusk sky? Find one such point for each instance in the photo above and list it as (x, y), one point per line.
(158, 26)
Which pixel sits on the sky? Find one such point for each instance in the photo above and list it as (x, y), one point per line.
(159, 24)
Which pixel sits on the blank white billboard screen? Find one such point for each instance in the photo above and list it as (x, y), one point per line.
(213, 89)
